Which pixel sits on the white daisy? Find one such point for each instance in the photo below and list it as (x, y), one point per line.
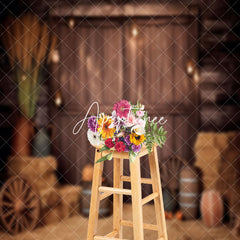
(94, 138)
(138, 129)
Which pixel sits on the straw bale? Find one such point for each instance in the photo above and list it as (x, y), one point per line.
(34, 166)
(218, 156)
(45, 181)
(70, 198)
(49, 216)
(208, 150)
(221, 140)
(204, 140)
(59, 203)
(37, 170)
(229, 175)
(208, 160)
(49, 197)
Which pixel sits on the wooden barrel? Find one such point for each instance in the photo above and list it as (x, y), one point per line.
(105, 204)
(189, 192)
(212, 208)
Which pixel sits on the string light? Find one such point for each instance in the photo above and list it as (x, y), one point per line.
(134, 31)
(58, 99)
(71, 23)
(196, 76)
(55, 56)
(190, 67)
(24, 77)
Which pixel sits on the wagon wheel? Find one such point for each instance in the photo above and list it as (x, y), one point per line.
(19, 205)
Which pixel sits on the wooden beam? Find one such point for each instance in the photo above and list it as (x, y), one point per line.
(145, 225)
(125, 10)
(105, 195)
(143, 180)
(149, 198)
(115, 190)
(107, 238)
(117, 198)
(112, 234)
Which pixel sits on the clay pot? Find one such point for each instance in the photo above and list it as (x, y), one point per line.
(22, 135)
(212, 208)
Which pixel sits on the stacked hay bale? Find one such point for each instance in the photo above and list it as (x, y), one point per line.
(40, 171)
(218, 157)
(229, 181)
(57, 201)
(208, 150)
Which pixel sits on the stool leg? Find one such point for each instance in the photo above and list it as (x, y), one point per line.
(136, 199)
(94, 207)
(158, 202)
(117, 198)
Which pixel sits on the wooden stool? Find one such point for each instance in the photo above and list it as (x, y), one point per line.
(99, 192)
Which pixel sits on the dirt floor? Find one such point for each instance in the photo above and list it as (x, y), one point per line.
(75, 228)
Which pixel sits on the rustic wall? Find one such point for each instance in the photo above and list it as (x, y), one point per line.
(105, 63)
(73, 69)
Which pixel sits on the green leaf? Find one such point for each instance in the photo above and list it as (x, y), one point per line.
(155, 127)
(104, 148)
(147, 127)
(109, 156)
(160, 130)
(106, 157)
(132, 156)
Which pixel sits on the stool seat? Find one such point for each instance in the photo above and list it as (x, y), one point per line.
(100, 192)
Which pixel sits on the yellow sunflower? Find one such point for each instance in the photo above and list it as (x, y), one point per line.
(137, 139)
(104, 130)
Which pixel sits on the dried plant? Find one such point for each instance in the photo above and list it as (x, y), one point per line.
(28, 43)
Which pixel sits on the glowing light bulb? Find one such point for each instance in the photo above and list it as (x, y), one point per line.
(55, 56)
(58, 99)
(134, 31)
(196, 76)
(71, 23)
(190, 67)
(24, 77)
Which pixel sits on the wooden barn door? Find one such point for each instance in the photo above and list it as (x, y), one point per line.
(105, 62)
(155, 66)
(90, 70)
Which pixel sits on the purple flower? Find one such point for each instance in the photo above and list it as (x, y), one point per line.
(126, 148)
(136, 148)
(127, 140)
(92, 124)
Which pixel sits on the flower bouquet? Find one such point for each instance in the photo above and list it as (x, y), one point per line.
(126, 130)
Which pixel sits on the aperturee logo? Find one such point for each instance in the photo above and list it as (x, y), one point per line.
(127, 129)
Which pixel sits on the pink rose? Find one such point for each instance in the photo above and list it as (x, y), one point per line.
(140, 122)
(130, 120)
(140, 113)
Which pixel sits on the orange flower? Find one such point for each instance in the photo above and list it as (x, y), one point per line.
(104, 123)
